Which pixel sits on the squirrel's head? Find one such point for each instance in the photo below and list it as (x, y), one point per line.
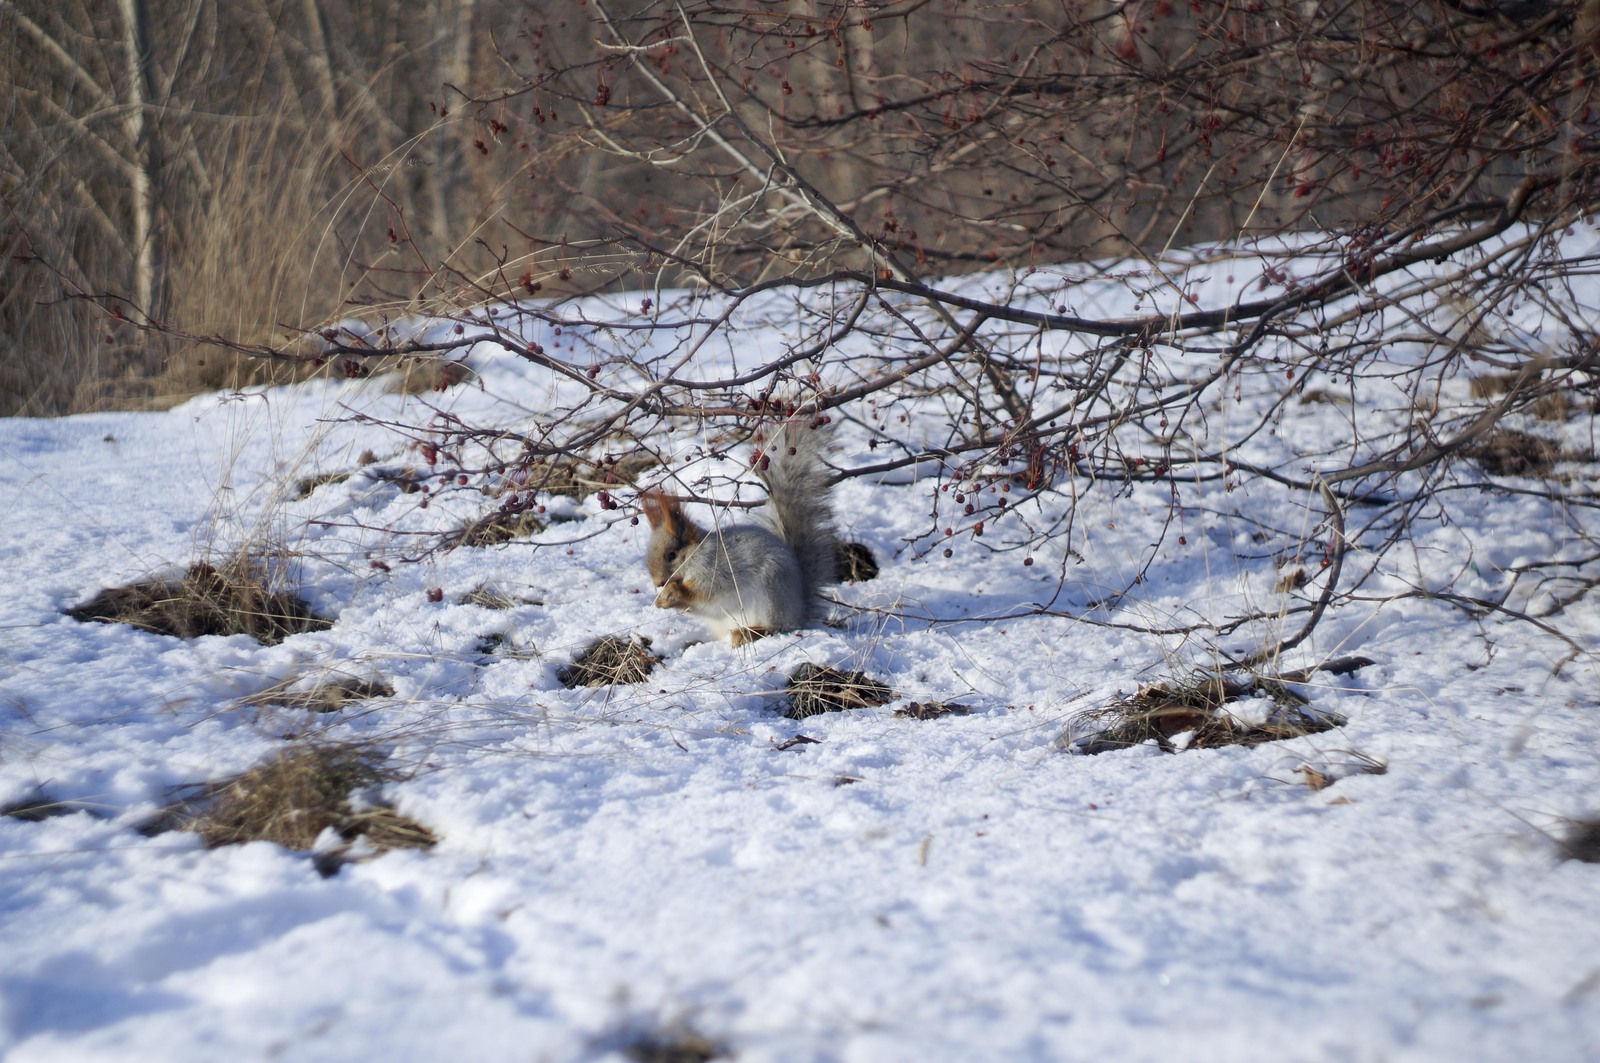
(672, 535)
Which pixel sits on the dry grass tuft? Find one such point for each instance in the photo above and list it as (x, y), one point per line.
(678, 1044)
(856, 563)
(1582, 841)
(815, 689)
(608, 661)
(293, 797)
(38, 807)
(1555, 406)
(1332, 767)
(581, 477)
(306, 485)
(418, 376)
(930, 710)
(408, 478)
(486, 597)
(330, 695)
(1507, 452)
(499, 526)
(207, 600)
(1491, 385)
(1197, 707)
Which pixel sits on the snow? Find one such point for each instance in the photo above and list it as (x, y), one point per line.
(616, 863)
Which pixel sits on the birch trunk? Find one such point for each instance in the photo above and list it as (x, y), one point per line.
(447, 179)
(146, 261)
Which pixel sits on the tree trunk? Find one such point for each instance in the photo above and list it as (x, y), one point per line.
(144, 238)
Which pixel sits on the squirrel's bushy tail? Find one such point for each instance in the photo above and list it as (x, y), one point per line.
(799, 506)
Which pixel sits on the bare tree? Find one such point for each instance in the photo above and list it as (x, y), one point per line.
(138, 96)
(1300, 199)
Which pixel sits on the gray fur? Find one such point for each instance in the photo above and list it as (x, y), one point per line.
(752, 579)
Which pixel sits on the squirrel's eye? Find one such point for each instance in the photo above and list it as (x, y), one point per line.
(672, 555)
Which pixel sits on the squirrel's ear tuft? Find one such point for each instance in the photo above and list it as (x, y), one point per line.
(659, 510)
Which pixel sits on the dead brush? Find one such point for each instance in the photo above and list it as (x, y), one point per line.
(855, 563)
(580, 477)
(609, 661)
(488, 596)
(293, 797)
(815, 689)
(1162, 711)
(233, 599)
(930, 710)
(38, 806)
(329, 694)
(498, 526)
(1331, 767)
(677, 1044)
(418, 376)
(1581, 841)
(1507, 452)
(306, 486)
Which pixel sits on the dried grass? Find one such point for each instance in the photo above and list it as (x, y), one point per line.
(330, 695)
(486, 597)
(581, 477)
(855, 563)
(499, 526)
(609, 661)
(38, 807)
(815, 689)
(677, 1044)
(292, 798)
(1197, 707)
(231, 600)
(1492, 385)
(1582, 841)
(930, 710)
(419, 376)
(1508, 452)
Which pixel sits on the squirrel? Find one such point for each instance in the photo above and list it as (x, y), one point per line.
(752, 580)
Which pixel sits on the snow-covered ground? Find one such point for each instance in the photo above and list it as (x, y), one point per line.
(621, 864)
